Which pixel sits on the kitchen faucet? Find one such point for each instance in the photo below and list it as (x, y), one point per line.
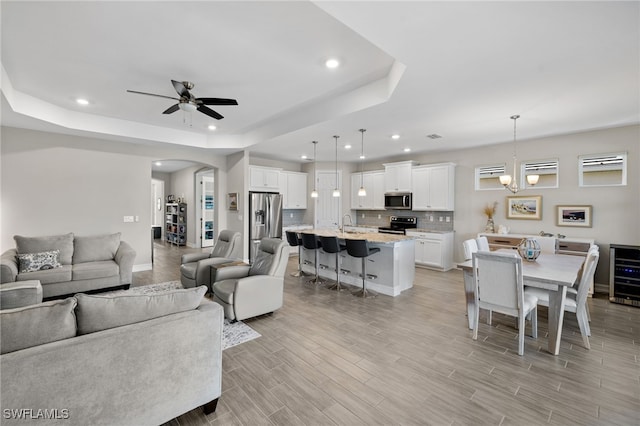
(350, 221)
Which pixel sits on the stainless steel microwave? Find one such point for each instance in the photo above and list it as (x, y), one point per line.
(397, 201)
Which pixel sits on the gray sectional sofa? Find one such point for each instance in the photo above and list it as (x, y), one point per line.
(68, 264)
(124, 359)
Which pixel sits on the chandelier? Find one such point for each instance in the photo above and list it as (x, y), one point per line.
(510, 182)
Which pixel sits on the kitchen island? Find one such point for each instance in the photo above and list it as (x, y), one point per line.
(389, 272)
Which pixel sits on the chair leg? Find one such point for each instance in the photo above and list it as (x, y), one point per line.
(476, 314)
(584, 328)
(521, 335)
(586, 307)
(337, 286)
(534, 323)
(299, 272)
(364, 293)
(489, 317)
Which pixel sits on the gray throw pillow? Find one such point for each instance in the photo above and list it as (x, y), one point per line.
(95, 248)
(64, 243)
(96, 312)
(35, 325)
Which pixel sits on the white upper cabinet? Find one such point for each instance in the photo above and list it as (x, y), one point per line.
(293, 187)
(397, 176)
(434, 187)
(374, 185)
(264, 179)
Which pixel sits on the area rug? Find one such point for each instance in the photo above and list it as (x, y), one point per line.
(233, 334)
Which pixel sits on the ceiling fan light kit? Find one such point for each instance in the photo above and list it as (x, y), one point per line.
(189, 103)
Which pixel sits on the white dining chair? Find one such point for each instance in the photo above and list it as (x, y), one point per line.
(470, 246)
(499, 287)
(483, 243)
(576, 301)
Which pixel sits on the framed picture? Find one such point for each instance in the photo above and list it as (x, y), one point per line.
(524, 207)
(574, 216)
(232, 201)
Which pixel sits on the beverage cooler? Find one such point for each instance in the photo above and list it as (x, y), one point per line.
(624, 274)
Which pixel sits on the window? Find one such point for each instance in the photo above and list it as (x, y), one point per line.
(547, 170)
(487, 177)
(602, 169)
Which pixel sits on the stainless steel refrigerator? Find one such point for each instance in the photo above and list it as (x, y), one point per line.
(265, 210)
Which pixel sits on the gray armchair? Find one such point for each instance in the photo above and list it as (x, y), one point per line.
(195, 267)
(248, 291)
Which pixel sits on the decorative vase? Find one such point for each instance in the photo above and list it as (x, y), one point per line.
(529, 249)
(490, 227)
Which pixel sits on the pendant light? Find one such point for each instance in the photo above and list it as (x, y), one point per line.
(336, 191)
(314, 193)
(362, 192)
(510, 182)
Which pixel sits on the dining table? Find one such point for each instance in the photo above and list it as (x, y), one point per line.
(552, 272)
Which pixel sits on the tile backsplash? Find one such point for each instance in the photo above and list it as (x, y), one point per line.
(292, 217)
(432, 220)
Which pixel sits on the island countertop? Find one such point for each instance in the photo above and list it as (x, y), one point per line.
(372, 237)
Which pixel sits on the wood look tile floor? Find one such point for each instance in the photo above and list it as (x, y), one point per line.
(330, 358)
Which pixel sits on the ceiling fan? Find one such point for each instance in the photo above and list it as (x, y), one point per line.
(188, 102)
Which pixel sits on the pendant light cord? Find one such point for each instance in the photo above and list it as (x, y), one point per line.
(362, 157)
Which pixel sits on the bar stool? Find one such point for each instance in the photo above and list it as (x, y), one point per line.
(360, 248)
(331, 245)
(295, 241)
(310, 242)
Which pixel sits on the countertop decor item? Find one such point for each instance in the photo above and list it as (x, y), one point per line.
(490, 210)
(529, 249)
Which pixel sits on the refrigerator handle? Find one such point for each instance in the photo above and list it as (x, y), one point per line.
(267, 222)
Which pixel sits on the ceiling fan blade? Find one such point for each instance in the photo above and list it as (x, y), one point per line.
(208, 111)
(152, 94)
(181, 89)
(172, 109)
(216, 101)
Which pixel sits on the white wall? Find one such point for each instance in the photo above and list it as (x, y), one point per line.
(53, 183)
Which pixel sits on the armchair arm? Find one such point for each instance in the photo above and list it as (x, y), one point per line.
(203, 270)
(125, 257)
(8, 266)
(193, 257)
(230, 272)
(257, 295)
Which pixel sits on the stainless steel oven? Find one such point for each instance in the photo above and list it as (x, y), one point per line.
(397, 201)
(398, 225)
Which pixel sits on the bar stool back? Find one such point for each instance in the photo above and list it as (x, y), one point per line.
(331, 245)
(310, 242)
(360, 248)
(295, 241)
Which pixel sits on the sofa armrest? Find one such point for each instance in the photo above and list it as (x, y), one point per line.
(193, 257)
(125, 257)
(8, 266)
(230, 272)
(257, 295)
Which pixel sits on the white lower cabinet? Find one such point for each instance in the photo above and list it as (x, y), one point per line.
(433, 249)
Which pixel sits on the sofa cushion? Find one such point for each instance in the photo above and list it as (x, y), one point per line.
(101, 312)
(56, 275)
(93, 270)
(95, 247)
(35, 325)
(30, 262)
(64, 243)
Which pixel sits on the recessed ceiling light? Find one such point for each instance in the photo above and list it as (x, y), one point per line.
(347, 146)
(82, 101)
(158, 163)
(407, 150)
(304, 157)
(212, 127)
(396, 136)
(332, 63)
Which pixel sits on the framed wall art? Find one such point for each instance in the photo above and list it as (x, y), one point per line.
(232, 201)
(568, 215)
(524, 207)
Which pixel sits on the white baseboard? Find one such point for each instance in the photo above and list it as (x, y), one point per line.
(143, 267)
